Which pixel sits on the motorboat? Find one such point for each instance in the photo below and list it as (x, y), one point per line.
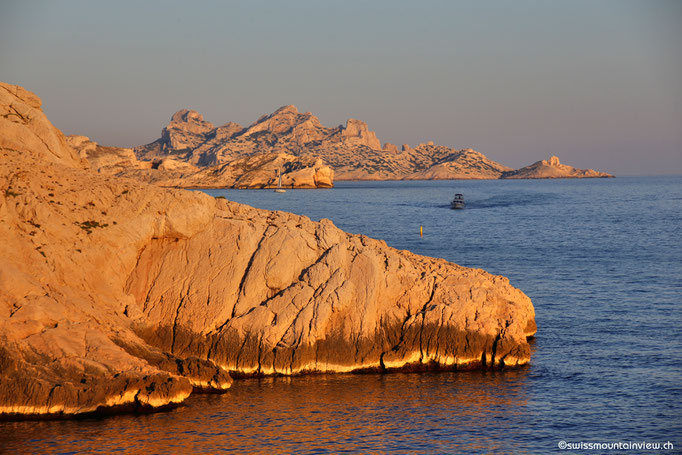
(457, 202)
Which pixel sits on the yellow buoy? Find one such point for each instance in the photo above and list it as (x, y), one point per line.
(421, 231)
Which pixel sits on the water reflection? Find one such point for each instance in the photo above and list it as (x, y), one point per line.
(450, 412)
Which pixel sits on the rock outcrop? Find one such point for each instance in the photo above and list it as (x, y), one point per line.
(115, 294)
(254, 171)
(552, 169)
(357, 133)
(107, 160)
(66, 346)
(390, 147)
(184, 131)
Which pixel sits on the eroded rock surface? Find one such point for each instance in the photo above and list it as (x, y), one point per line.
(115, 294)
(269, 299)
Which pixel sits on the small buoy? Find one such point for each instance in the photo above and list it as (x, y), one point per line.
(421, 231)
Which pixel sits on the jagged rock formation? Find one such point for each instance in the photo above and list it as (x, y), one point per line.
(184, 132)
(119, 294)
(107, 160)
(353, 151)
(254, 171)
(552, 169)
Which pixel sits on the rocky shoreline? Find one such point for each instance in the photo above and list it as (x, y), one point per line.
(119, 295)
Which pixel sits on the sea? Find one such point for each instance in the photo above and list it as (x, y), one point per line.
(601, 260)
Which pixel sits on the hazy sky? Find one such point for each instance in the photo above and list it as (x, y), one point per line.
(597, 83)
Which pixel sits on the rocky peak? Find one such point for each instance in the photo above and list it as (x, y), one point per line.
(227, 131)
(287, 118)
(278, 122)
(186, 130)
(554, 161)
(288, 109)
(23, 95)
(357, 133)
(310, 129)
(189, 120)
(390, 147)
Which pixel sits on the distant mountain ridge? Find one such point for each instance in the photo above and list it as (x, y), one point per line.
(352, 150)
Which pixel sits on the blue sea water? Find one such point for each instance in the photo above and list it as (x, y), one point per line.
(602, 261)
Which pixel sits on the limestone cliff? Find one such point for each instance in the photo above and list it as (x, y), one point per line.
(552, 169)
(352, 151)
(66, 248)
(115, 294)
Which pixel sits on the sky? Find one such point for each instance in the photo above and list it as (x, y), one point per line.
(596, 83)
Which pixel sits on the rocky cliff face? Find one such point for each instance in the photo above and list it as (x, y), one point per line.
(552, 169)
(65, 244)
(352, 151)
(116, 294)
(25, 127)
(186, 131)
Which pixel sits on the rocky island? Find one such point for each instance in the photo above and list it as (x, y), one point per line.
(552, 169)
(193, 153)
(118, 295)
(351, 150)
